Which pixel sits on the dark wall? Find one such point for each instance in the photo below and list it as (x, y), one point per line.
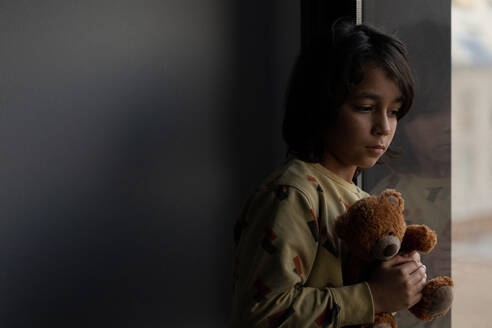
(130, 133)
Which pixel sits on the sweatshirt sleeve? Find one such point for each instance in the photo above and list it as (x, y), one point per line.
(277, 243)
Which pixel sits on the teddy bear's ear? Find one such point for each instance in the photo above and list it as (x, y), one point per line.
(340, 226)
(394, 197)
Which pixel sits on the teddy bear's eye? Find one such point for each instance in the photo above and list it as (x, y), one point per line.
(390, 233)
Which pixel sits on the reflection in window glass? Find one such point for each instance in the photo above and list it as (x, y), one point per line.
(471, 162)
(422, 171)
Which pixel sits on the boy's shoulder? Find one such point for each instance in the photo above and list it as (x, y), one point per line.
(295, 173)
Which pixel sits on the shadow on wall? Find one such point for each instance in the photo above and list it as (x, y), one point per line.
(131, 134)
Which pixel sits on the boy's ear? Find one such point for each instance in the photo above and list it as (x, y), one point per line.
(393, 197)
(340, 226)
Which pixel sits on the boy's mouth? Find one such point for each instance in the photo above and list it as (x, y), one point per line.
(377, 149)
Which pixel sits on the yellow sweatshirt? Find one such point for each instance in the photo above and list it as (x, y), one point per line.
(288, 262)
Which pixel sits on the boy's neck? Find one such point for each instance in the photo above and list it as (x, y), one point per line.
(346, 172)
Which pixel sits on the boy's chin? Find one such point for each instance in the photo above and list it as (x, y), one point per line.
(367, 164)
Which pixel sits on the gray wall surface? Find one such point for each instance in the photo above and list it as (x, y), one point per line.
(130, 133)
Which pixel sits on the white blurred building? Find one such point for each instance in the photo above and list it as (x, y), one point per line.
(471, 109)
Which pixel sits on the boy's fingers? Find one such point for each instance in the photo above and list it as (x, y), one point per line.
(416, 257)
(408, 254)
(403, 258)
(418, 277)
(399, 259)
(415, 299)
(420, 267)
(408, 268)
(422, 284)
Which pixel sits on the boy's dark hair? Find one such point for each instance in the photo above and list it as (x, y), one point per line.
(326, 72)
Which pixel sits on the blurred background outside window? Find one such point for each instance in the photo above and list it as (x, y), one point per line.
(471, 161)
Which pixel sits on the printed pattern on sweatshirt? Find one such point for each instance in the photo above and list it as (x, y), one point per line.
(287, 267)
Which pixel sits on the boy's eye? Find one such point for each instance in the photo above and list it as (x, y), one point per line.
(394, 112)
(363, 108)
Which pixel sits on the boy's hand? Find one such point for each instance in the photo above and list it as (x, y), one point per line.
(397, 284)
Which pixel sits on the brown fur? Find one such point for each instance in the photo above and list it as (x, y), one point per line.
(421, 309)
(371, 219)
(420, 238)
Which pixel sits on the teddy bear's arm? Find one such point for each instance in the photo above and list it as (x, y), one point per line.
(418, 237)
(384, 320)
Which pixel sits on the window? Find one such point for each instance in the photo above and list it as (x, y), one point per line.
(422, 173)
(472, 162)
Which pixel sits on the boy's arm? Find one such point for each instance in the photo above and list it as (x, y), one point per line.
(276, 252)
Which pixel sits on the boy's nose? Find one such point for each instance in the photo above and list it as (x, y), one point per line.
(381, 126)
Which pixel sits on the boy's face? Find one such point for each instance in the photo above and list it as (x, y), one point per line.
(429, 134)
(365, 124)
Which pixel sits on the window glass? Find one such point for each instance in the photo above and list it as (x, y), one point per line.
(422, 170)
(472, 161)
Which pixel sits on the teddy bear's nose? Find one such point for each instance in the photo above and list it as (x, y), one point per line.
(390, 250)
(386, 248)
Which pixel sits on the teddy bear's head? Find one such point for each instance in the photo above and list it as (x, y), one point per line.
(373, 227)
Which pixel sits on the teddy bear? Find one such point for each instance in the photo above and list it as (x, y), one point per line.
(374, 229)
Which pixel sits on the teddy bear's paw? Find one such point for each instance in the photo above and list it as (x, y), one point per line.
(383, 325)
(384, 320)
(442, 298)
(437, 297)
